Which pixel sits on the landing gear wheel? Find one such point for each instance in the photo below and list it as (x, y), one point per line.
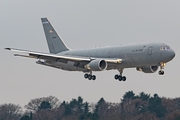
(124, 78)
(161, 72)
(90, 77)
(162, 65)
(93, 77)
(86, 76)
(120, 78)
(116, 77)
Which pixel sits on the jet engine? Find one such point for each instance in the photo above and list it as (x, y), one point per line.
(96, 65)
(147, 69)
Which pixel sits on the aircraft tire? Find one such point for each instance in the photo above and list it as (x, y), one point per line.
(89, 77)
(161, 72)
(86, 76)
(120, 78)
(116, 77)
(124, 78)
(93, 77)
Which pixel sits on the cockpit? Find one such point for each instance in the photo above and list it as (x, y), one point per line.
(165, 48)
(166, 53)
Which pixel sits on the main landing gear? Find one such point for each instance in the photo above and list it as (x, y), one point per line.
(162, 65)
(120, 77)
(90, 76)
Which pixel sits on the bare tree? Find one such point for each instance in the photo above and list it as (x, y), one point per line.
(42, 103)
(10, 112)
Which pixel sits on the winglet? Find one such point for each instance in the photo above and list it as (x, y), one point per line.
(7, 48)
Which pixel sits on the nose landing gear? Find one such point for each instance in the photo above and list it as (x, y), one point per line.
(162, 65)
(120, 77)
(161, 72)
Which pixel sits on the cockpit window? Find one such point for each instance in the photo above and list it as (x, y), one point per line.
(167, 47)
(164, 48)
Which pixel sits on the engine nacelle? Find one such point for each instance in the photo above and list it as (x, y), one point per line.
(96, 65)
(148, 69)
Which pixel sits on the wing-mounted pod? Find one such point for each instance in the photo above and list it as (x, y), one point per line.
(96, 65)
(147, 69)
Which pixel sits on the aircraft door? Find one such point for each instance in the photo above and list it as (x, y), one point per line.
(150, 49)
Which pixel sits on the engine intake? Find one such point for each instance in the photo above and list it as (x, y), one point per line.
(147, 69)
(96, 65)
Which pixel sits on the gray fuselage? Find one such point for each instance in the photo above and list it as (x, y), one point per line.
(132, 56)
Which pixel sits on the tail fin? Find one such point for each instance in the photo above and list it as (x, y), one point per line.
(55, 43)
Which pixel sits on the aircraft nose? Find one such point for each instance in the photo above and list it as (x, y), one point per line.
(169, 55)
(172, 54)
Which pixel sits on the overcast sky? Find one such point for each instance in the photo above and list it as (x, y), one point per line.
(81, 24)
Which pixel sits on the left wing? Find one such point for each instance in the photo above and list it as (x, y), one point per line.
(56, 57)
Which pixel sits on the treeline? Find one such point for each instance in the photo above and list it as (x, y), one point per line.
(131, 107)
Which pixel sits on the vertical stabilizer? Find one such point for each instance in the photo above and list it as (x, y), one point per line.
(55, 43)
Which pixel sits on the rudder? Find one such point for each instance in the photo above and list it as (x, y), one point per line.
(54, 42)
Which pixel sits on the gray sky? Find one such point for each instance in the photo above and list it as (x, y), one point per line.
(81, 24)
